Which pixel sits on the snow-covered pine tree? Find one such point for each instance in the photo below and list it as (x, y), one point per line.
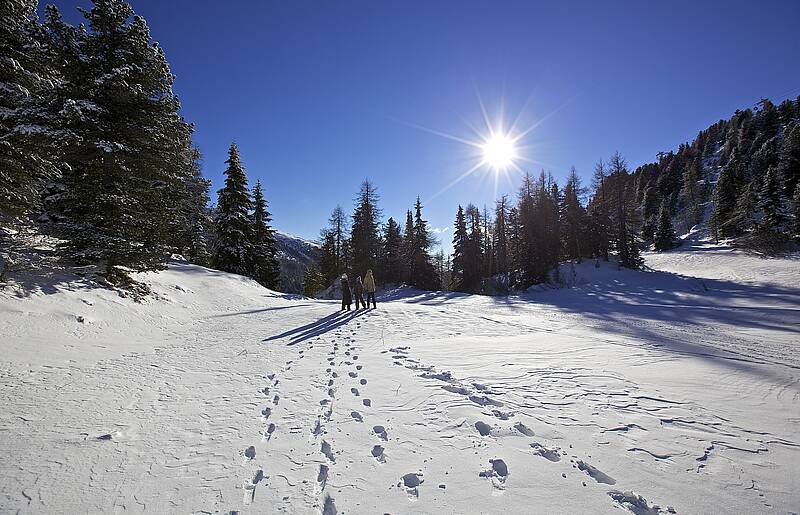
(770, 201)
(796, 213)
(29, 140)
(232, 226)
(263, 265)
(122, 174)
(193, 223)
(729, 186)
(665, 234)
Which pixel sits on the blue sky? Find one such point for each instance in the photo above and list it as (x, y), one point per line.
(320, 95)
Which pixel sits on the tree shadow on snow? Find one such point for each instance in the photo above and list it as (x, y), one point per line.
(321, 326)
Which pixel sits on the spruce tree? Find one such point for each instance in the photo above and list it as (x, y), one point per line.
(500, 244)
(796, 212)
(329, 269)
(232, 225)
(123, 168)
(392, 252)
(460, 242)
(263, 262)
(30, 141)
(665, 234)
(364, 237)
(192, 221)
(425, 276)
(408, 248)
(313, 281)
(573, 218)
(770, 201)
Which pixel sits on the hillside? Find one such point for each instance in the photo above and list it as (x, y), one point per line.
(649, 392)
(294, 254)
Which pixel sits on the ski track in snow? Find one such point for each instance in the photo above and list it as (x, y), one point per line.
(589, 400)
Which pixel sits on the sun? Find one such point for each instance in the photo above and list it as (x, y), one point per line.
(499, 151)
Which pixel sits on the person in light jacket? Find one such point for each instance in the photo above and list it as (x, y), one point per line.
(358, 290)
(369, 288)
(347, 297)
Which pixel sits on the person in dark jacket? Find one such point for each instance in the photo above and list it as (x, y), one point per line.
(358, 293)
(347, 297)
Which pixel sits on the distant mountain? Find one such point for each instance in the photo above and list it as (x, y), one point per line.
(294, 254)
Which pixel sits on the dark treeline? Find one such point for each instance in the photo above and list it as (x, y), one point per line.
(740, 175)
(94, 151)
(357, 243)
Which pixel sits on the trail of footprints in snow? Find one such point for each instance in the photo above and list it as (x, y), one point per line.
(498, 472)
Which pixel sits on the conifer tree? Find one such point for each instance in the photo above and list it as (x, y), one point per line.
(364, 237)
(460, 242)
(599, 213)
(665, 234)
(796, 212)
(770, 201)
(327, 258)
(193, 224)
(408, 249)
(424, 275)
(263, 262)
(392, 263)
(500, 244)
(122, 174)
(572, 218)
(232, 225)
(313, 281)
(30, 141)
(728, 188)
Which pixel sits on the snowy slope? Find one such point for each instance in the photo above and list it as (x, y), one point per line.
(647, 392)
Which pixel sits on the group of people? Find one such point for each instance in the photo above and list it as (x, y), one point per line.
(357, 291)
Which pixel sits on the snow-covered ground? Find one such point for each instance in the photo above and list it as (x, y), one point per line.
(643, 391)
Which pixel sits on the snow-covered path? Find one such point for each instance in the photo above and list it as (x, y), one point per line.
(219, 397)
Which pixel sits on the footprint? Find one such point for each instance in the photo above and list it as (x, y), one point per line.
(269, 431)
(595, 474)
(522, 428)
(355, 357)
(334, 375)
(363, 382)
(550, 454)
(483, 428)
(367, 402)
(411, 482)
(322, 476)
(330, 392)
(250, 452)
(329, 508)
(359, 367)
(377, 452)
(330, 382)
(498, 473)
(381, 432)
(325, 449)
(265, 391)
(356, 416)
(354, 391)
(317, 428)
(276, 399)
(352, 374)
(265, 413)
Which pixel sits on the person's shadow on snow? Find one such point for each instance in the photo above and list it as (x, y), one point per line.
(321, 326)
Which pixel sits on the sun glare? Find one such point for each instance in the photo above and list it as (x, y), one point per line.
(499, 151)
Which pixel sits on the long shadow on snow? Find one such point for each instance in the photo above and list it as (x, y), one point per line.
(321, 326)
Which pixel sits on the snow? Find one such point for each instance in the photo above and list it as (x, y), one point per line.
(674, 390)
